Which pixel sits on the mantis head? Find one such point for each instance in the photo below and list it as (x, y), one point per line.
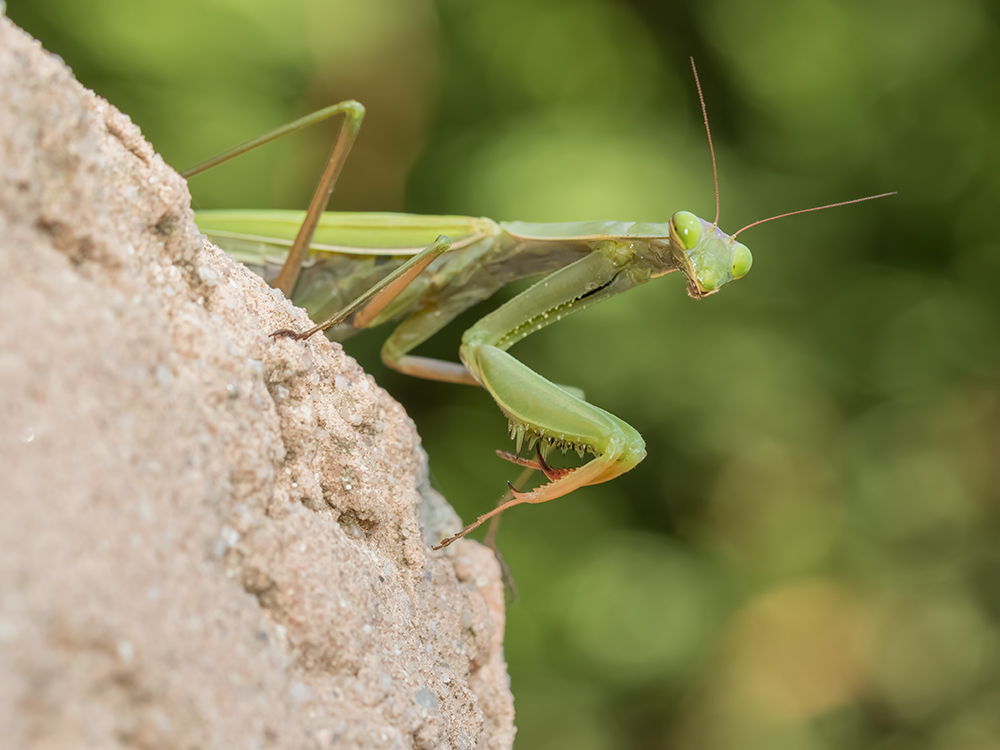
(709, 257)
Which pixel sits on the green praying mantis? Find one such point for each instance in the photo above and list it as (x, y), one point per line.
(358, 270)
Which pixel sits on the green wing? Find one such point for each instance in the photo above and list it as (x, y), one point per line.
(349, 254)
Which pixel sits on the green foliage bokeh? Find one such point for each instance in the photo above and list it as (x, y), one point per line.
(808, 558)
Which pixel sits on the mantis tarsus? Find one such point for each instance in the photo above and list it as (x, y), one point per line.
(431, 268)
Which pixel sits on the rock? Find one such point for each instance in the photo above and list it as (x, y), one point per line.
(207, 539)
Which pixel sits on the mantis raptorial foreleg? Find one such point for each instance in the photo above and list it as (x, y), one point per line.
(490, 539)
(539, 410)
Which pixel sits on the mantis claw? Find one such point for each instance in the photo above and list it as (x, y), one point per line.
(288, 333)
(454, 538)
(547, 470)
(538, 464)
(285, 333)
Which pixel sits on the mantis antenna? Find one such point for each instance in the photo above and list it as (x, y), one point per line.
(715, 174)
(807, 210)
(711, 148)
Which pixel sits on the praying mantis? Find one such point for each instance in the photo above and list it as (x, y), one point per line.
(358, 270)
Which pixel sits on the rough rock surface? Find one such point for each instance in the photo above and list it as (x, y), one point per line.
(207, 540)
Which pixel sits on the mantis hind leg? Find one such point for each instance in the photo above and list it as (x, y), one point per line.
(354, 113)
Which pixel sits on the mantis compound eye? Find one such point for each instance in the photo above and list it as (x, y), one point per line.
(742, 260)
(686, 229)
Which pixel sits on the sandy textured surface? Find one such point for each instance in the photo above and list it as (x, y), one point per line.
(207, 540)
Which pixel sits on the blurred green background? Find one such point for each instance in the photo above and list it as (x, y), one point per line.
(808, 558)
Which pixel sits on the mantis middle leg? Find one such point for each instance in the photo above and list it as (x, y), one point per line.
(382, 302)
